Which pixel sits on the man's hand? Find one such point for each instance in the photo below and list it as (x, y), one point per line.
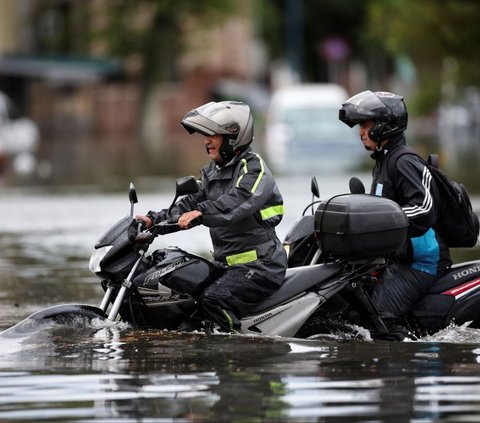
(145, 219)
(186, 219)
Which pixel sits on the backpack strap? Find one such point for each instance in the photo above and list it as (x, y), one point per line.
(397, 153)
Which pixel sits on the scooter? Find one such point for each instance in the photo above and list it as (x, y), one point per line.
(335, 254)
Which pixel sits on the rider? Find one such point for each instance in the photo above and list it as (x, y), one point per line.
(240, 202)
(382, 119)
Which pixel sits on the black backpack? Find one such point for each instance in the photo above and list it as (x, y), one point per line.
(457, 223)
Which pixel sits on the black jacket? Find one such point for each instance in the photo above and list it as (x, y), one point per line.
(410, 185)
(241, 204)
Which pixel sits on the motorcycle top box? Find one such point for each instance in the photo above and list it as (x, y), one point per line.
(360, 226)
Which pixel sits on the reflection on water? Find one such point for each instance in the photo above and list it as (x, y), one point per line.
(120, 374)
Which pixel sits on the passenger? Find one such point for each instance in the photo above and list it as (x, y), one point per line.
(241, 204)
(382, 119)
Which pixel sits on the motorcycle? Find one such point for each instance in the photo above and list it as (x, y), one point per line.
(335, 255)
(453, 299)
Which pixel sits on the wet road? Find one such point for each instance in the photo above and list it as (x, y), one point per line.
(114, 373)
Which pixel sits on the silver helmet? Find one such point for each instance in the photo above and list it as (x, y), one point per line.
(232, 119)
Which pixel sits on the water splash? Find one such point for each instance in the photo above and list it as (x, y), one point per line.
(37, 329)
(455, 334)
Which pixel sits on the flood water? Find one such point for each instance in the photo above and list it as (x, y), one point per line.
(113, 373)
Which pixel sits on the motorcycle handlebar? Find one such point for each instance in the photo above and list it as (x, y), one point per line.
(162, 228)
(172, 222)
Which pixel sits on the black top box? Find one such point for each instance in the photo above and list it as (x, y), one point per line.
(359, 226)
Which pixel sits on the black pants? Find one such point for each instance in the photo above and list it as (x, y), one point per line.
(234, 295)
(399, 289)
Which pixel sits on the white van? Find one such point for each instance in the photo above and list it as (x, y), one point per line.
(303, 134)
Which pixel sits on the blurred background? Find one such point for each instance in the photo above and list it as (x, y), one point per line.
(92, 91)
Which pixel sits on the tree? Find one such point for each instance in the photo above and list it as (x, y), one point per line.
(430, 31)
(151, 34)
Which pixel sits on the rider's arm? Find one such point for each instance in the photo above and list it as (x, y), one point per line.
(414, 182)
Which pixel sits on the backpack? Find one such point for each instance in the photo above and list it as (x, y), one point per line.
(457, 223)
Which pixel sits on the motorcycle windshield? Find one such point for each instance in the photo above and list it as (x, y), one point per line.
(118, 232)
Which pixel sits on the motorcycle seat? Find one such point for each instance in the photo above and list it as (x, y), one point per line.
(298, 280)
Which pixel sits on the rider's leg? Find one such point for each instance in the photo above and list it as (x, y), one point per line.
(399, 289)
(234, 295)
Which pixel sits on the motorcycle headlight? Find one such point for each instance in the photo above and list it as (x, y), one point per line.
(96, 257)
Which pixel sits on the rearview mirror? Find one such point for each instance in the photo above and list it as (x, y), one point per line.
(186, 185)
(314, 187)
(356, 186)
(132, 196)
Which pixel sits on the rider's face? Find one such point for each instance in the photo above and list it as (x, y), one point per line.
(363, 129)
(213, 144)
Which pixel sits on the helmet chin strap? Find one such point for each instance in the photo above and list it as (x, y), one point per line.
(379, 147)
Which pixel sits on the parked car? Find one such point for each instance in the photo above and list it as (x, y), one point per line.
(19, 138)
(303, 133)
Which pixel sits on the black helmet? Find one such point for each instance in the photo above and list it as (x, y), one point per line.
(387, 110)
(232, 119)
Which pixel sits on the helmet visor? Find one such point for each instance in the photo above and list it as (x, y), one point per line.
(362, 107)
(210, 119)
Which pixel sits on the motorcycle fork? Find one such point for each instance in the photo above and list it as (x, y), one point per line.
(126, 285)
(106, 299)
